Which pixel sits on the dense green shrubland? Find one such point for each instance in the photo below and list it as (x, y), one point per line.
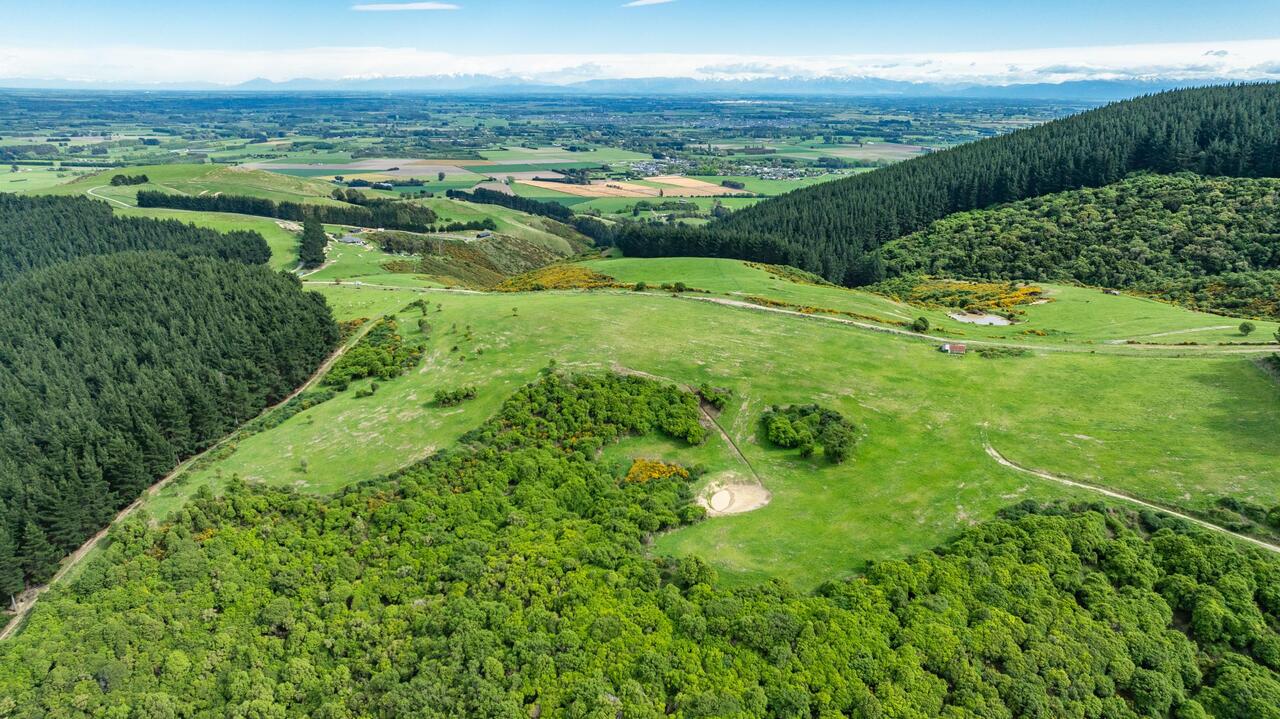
(808, 427)
(1146, 231)
(113, 368)
(507, 577)
(835, 228)
(381, 354)
(40, 231)
(1240, 294)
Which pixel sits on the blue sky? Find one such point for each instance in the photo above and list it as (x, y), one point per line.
(583, 28)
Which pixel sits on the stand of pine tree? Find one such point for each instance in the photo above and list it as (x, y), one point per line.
(40, 231)
(391, 214)
(835, 229)
(114, 368)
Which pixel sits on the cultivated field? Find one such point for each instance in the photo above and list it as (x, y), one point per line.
(661, 186)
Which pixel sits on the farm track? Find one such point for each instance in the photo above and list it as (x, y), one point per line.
(737, 451)
(1131, 350)
(1141, 348)
(110, 200)
(1112, 494)
(73, 559)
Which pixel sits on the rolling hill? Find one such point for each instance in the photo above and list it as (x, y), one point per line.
(835, 229)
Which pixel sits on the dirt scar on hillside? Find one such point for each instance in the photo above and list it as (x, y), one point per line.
(730, 493)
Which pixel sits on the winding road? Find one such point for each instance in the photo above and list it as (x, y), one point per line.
(93, 192)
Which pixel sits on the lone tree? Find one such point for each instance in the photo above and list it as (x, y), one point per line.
(1247, 328)
(921, 324)
(311, 246)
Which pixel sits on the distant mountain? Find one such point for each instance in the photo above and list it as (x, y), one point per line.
(1087, 90)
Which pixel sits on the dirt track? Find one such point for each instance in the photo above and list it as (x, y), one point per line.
(1199, 349)
(71, 560)
(1003, 461)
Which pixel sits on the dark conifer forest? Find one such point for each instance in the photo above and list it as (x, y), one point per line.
(374, 212)
(40, 231)
(834, 229)
(116, 365)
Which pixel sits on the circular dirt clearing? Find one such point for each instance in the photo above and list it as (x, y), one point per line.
(730, 493)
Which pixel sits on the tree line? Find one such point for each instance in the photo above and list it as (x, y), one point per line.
(554, 210)
(375, 212)
(40, 231)
(508, 576)
(835, 229)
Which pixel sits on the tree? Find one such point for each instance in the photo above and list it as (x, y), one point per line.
(38, 556)
(313, 242)
(1247, 328)
(921, 324)
(440, 176)
(11, 580)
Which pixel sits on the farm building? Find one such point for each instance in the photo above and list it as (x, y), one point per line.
(350, 240)
(483, 234)
(953, 348)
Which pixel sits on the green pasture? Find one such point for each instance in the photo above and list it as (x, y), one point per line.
(33, 178)
(770, 187)
(1181, 431)
(1075, 316)
(283, 243)
(198, 180)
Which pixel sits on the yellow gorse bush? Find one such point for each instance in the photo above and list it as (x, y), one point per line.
(645, 470)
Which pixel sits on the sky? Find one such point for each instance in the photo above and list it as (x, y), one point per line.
(992, 41)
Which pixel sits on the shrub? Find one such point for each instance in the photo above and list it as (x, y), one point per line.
(714, 396)
(381, 353)
(449, 398)
(808, 426)
(646, 470)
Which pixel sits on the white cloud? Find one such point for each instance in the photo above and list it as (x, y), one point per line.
(1245, 60)
(642, 3)
(399, 6)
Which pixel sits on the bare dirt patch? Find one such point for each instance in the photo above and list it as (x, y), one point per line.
(980, 319)
(701, 186)
(730, 493)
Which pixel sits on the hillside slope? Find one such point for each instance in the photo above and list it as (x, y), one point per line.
(114, 367)
(39, 231)
(834, 228)
(1147, 232)
(507, 577)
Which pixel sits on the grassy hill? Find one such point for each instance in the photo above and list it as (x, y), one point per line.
(1147, 232)
(1073, 316)
(197, 180)
(1183, 426)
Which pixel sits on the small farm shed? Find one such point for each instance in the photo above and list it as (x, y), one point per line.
(953, 348)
